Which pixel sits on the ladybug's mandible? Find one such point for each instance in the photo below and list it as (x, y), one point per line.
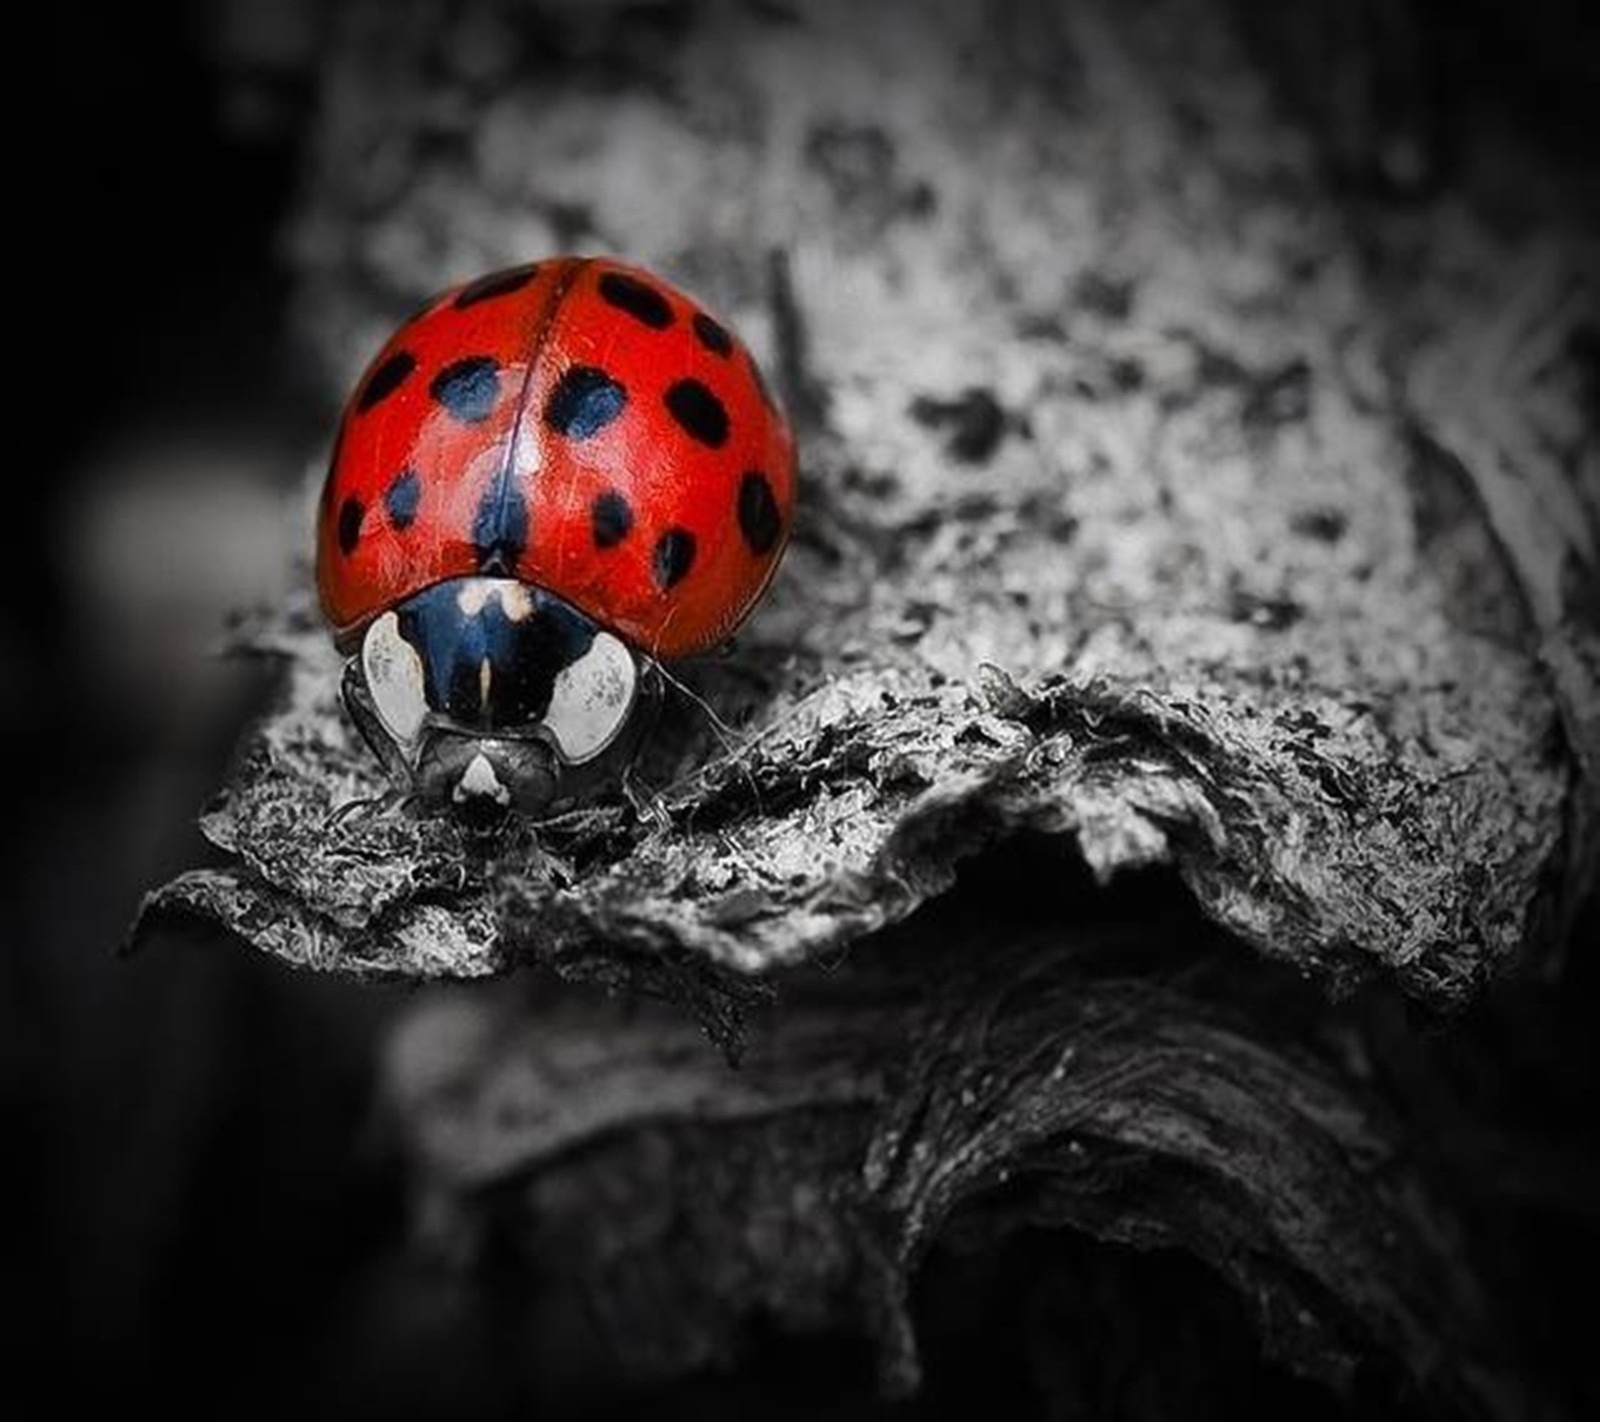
(550, 479)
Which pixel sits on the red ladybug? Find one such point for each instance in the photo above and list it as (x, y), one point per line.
(548, 480)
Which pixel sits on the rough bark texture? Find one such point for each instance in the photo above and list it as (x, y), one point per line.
(1164, 511)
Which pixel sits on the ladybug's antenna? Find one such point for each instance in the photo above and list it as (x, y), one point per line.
(725, 733)
(733, 750)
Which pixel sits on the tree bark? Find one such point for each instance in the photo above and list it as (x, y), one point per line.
(1186, 659)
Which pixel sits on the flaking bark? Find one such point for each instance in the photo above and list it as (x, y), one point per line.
(1150, 505)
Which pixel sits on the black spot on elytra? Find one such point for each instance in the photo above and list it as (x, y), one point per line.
(673, 557)
(759, 519)
(584, 402)
(500, 529)
(468, 388)
(351, 513)
(486, 288)
(698, 412)
(642, 302)
(385, 380)
(611, 518)
(713, 335)
(402, 497)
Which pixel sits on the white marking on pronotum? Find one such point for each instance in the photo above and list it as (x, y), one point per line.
(516, 601)
(485, 681)
(393, 672)
(475, 594)
(591, 698)
(479, 779)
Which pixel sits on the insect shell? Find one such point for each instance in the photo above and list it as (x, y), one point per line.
(550, 480)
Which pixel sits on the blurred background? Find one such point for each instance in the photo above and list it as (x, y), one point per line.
(200, 1207)
(190, 1196)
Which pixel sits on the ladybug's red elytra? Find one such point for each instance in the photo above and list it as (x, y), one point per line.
(550, 480)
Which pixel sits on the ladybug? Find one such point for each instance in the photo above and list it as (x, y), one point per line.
(551, 480)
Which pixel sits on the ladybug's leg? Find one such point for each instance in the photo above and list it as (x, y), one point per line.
(400, 794)
(358, 703)
(395, 800)
(647, 804)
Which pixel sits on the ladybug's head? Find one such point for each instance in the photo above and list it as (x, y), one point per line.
(487, 695)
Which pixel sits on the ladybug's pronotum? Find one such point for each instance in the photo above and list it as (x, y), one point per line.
(548, 481)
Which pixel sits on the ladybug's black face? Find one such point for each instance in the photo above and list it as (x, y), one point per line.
(489, 694)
